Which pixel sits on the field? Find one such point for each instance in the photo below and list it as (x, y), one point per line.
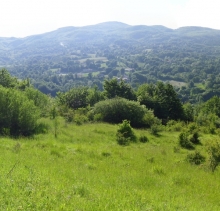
(177, 83)
(85, 169)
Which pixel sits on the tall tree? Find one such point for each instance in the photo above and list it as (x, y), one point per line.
(163, 99)
(75, 98)
(114, 88)
(6, 80)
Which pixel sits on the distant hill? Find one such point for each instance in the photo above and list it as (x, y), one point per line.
(103, 33)
(184, 55)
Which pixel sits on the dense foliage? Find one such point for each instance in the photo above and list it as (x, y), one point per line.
(113, 88)
(20, 106)
(187, 58)
(163, 99)
(18, 114)
(118, 109)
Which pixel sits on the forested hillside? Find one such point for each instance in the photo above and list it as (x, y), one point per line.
(187, 57)
(75, 151)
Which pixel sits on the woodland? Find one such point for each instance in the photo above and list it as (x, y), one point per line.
(187, 58)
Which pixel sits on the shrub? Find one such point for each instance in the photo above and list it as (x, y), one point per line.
(69, 115)
(184, 141)
(42, 128)
(80, 119)
(18, 114)
(121, 140)
(192, 127)
(143, 139)
(155, 129)
(214, 154)
(117, 109)
(212, 129)
(194, 137)
(97, 117)
(195, 158)
(75, 98)
(173, 125)
(125, 133)
(40, 100)
(149, 119)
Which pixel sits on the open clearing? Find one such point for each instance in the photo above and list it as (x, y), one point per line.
(85, 169)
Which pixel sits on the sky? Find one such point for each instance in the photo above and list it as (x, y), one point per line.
(23, 18)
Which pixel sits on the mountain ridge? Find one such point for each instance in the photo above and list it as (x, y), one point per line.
(143, 53)
(117, 25)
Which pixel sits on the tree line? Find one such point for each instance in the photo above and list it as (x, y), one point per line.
(150, 105)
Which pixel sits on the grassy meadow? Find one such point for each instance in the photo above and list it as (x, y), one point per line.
(84, 168)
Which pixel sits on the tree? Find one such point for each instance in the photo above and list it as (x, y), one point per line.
(6, 80)
(212, 106)
(113, 88)
(163, 99)
(90, 76)
(188, 112)
(146, 95)
(94, 96)
(40, 100)
(122, 71)
(170, 106)
(75, 98)
(18, 114)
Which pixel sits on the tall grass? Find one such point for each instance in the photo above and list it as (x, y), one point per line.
(84, 168)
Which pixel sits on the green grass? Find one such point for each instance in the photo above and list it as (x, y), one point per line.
(200, 85)
(104, 65)
(85, 169)
(54, 70)
(177, 83)
(93, 74)
(104, 59)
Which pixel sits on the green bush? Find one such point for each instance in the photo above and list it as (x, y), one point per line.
(79, 116)
(149, 119)
(117, 109)
(125, 133)
(97, 117)
(173, 125)
(192, 127)
(195, 158)
(155, 129)
(80, 119)
(214, 154)
(194, 137)
(184, 141)
(40, 100)
(18, 114)
(42, 126)
(121, 140)
(212, 129)
(143, 139)
(69, 115)
(75, 98)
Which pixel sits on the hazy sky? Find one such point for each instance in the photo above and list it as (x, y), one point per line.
(20, 18)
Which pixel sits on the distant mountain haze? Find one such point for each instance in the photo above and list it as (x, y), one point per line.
(60, 59)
